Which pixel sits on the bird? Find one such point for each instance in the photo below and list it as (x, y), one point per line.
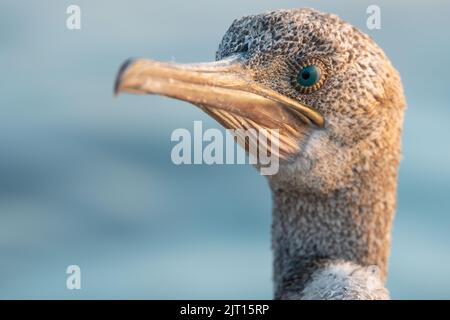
(338, 103)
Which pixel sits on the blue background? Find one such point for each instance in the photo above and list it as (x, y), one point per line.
(87, 179)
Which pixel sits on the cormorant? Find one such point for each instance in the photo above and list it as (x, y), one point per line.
(339, 105)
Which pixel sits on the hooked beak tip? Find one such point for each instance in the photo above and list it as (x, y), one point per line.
(123, 68)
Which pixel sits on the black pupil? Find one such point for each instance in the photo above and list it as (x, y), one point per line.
(305, 74)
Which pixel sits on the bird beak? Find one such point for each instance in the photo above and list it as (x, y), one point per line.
(226, 91)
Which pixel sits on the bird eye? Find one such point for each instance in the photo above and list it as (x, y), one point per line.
(310, 76)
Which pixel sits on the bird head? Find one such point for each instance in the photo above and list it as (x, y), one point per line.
(325, 86)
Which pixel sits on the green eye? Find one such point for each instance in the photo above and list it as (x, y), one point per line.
(308, 76)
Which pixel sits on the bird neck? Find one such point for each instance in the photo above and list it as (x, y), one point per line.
(339, 234)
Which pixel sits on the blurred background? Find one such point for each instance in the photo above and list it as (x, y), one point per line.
(87, 179)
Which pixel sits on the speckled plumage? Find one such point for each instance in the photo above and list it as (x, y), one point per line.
(336, 199)
(334, 195)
